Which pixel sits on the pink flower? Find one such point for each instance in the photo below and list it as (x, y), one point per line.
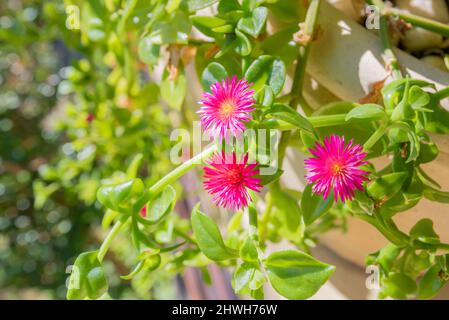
(90, 117)
(143, 211)
(228, 180)
(336, 167)
(226, 108)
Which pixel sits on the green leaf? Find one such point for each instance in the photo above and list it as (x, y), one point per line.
(235, 223)
(403, 131)
(288, 114)
(361, 203)
(173, 91)
(410, 195)
(250, 5)
(257, 280)
(172, 5)
(387, 256)
(313, 206)
(227, 28)
(431, 283)
(133, 167)
(227, 6)
(117, 196)
(148, 51)
(108, 218)
(418, 99)
(243, 47)
(289, 212)
(443, 262)
(248, 251)
(175, 29)
(214, 72)
(258, 294)
(253, 25)
(398, 133)
(359, 132)
(279, 44)
(247, 276)
(366, 111)
(207, 22)
(242, 276)
(403, 110)
(195, 5)
(267, 70)
(426, 179)
(230, 42)
(87, 279)
(392, 91)
(265, 96)
(386, 186)
(296, 275)
(414, 146)
(308, 139)
(398, 286)
(417, 262)
(436, 195)
(160, 206)
(428, 151)
(152, 262)
(135, 271)
(209, 238)
(423, 231)
(438, 120)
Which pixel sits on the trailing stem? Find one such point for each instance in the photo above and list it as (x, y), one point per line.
(155, 189)
(388, 54)
(309, 30)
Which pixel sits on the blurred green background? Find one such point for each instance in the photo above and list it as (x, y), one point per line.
(61, 133)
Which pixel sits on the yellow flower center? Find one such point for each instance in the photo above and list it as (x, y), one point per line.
(337, 168)
(227, 109)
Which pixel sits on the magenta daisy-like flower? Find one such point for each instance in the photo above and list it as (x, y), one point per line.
(336, 167)
(229, 179)
(226, 108)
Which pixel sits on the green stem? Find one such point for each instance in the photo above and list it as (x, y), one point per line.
(442, 246)
(184, 235)
(438, 246)
(393, 230)
(321, 121)
(300, 71)
(413, 19)
(442, 94)
(392, 234)
(155, 189)
(265, 218)
(379, 133)
(310, 24)
(182, 169)
(130, 5)
(328, 120)
(388, 55)
(110, 237)
(252, 215)
(418, 21)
